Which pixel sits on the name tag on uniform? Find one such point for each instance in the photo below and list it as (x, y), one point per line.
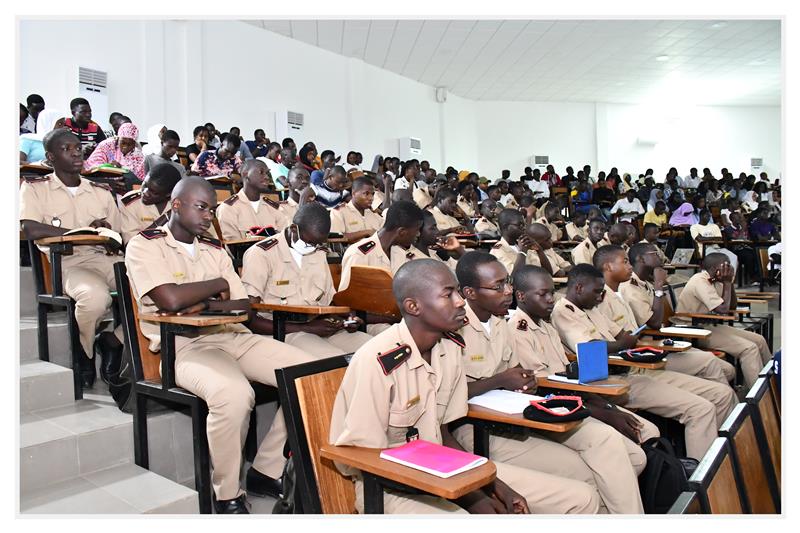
(355, 223)
(618, 318)
(476, 358)
(178, 275)
(147, 219)
(413, 401)
(593, 330)
(282, 282)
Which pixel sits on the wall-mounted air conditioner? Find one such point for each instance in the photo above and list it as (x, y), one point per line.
(93, 85)
(288, 124)
(540, 162)
(409, 148)
(756, 165)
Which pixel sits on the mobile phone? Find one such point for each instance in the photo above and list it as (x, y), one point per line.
(639, 329)
(349, 322)
(209, 312)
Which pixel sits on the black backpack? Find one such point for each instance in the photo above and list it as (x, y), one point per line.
(665, 476)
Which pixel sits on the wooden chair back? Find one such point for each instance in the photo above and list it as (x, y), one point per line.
(767, 425)
(763, 258)
(715, 481)
(769, 372)
(307, 394)
(686, 503)
(370, 290)
(336, 273)
(222, 195)
(183, 158)
(748, 464)
(146, 364)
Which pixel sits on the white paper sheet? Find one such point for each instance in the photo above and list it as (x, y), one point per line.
(505, 401)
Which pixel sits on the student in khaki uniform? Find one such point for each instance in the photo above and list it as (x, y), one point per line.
(592, 453)
(445, 209)
(355, 219)
(291, 268)
(176, 269)
(613, 262)
(382, 397)
(300, 192)
(467, 199)
(578, 320)
(430, 245)
(147, 207)
(552, 220)
(544, 255)
(577, 230)
(583, 252)
(644, 293)
(711, 291)
(651, 233)
(50, 206)
(515, 244)
(249, 207)
(488, 221)
(421, 196)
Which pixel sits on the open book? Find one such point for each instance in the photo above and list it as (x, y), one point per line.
(433, 458)
(103, 232)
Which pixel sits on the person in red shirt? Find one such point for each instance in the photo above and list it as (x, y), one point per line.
(552, 179)
(81, 124)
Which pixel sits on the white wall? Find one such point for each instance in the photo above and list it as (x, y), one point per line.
(184, 73)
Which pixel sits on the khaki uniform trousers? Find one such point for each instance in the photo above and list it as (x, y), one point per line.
(88, 280)
(544, 493)
(698, 415)
(749, 348)
(320, 347)
(217, 368)
(702, 364)
(374, 329)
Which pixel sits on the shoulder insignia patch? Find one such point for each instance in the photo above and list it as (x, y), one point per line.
(129, 198)
(267, 244)
(340, 206)
(209, 241)
(456, 338)
(496, 246)
(272, 203)
(101, 185)
(466, 321)
(410, 255)
(37, 179)
(393, 358)
(366, 247)
(634, 282)
(232, 200)
(586, 243)
(522, 325)
(570, 307)
(154, 233)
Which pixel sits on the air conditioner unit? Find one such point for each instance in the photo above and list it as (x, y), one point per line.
(93, 85)
(756, 164)
(410, 148)
(288, 124)
(540, 162)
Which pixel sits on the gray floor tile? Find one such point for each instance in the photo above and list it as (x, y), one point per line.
(140, 488)
(75, 496)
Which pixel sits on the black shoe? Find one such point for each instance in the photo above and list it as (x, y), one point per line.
(260, 485)
(87, 369)
(109, 350)
(235, 506)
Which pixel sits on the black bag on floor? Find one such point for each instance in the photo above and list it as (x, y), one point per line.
(120, 385)
(665, 476)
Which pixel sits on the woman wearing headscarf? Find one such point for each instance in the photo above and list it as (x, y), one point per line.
(31, 149)
(684, 215)
(120, 151)
(655, 195)
(154, 134)
(307, 157)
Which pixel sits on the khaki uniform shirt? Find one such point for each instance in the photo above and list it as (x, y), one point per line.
(154, 258)
(584, 251)
(377, 200)
(366, 252)
(555, 231)
(640, 296)
(270, 272)
(699, 295)
(537, 346)
(135, 215)
(46, 199)
(399, 256)
(574, 233)
(540, 212)
(288, 208)
(450, 262)
(485, 355)
(617, 309)
(484, 225)
(505, 253)
(375, 408)
(556, 261)
(661, 253)
(444, 221)
(466, 206)
(575, 325)
(345, 218)
(236, 216)
(421, 197)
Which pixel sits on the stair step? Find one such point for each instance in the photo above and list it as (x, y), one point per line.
(58, 338)
(27, 292)
(124, 489)
(44, 385)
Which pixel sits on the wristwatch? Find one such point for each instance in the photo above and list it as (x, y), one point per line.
(659, 293)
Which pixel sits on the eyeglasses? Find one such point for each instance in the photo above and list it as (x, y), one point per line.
(500, 287)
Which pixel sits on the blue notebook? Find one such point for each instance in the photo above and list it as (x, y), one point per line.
(592, 361)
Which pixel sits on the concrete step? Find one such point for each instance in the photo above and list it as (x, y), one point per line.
(27, 292)
(58, 338)
(44, 385)
(123, 489)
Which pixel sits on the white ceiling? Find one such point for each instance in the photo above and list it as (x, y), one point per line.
(732, 62)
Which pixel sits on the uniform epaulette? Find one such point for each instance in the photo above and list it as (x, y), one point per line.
(210, 241)
(366, 247)
(232, 200)
(456, 338)
(498, 245)
(634, 283)
(570, 307)
(153, 233)
(393, 358)
(340, 206)
(410, 255)
(465, 322)
(272, 203)
(586, 243)
(267, 244)
(522, 325)
(37, 179)
(128, 198)
(101, 185)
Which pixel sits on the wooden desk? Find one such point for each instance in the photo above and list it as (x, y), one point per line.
(566, 244)
(597, 387)
(74, 239)
(194, 320)
(246, 240)
(303, 309)
(103, 172)
(490, 415)
(682, 335)
(619, 361)
(369, 462)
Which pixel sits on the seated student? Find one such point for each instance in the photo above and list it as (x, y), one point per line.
(552, 221)
(222, 161)
(617, 234)
(50, 206)
(31, 147)
(217, 363)
(331, 190)
(512, 250)
(576, 229)
(489, 209)
(121, 151)
(147, 207)
(214, 140)
(705, 231)
(467, 199)
(249, 207)
(592, 453)
(644, 293)
(745, 253)
(82, 125)
(429, 245)
(651, 233)
(584, 252)
(603, 197)
(516, 191)
(761, 228)
(710, 291)
(657, 215)
(154, 135)
(167, 148)
(200, 144)
(543, 254)
(424, 388)
(260, 145)
(577, 319)
(355, 219)
(300, 192)
(271, 160)
(445, 210)
(629, 208)
(291, 268)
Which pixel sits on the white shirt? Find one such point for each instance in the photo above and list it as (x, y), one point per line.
(625, 206)
(689, 182)
(487, 327)
(255, 205)
(73, 190)
(776, 249)
(297, 256)
(190, 247)
(540, 188)
(401, 183)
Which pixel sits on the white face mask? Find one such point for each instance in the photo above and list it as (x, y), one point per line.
(302, 247)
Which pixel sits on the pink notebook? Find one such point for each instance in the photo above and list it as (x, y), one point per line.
(433, 458)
